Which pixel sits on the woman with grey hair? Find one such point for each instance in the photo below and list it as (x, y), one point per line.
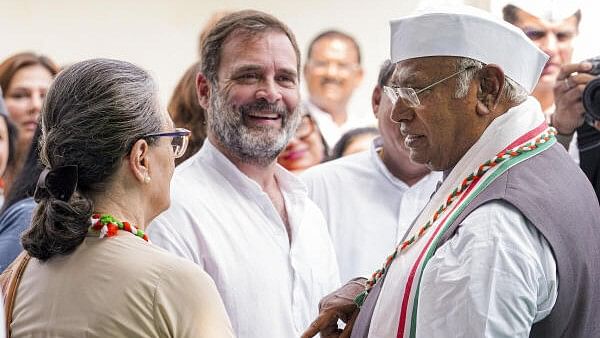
(88, 268)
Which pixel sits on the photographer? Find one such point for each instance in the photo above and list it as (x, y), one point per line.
(562, 83)
(573, 108)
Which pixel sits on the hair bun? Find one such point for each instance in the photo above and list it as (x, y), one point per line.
(59, 183)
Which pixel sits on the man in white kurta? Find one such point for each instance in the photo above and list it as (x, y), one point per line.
(237, 213)
(370, 199)
(496, 276)
(366, 207)
(223, 221)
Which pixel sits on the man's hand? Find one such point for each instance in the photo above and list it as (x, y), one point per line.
(568, 89)
(337, 305)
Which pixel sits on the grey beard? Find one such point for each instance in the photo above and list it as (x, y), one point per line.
(257, 145)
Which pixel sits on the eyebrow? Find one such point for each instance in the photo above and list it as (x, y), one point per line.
(408, 81)
(256, 68)
(247, 68)
(289, 71)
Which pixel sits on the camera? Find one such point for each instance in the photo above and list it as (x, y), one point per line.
(591, 93)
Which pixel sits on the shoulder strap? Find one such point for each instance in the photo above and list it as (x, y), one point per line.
(9, 280)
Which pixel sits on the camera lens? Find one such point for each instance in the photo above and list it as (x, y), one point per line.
(591, 100)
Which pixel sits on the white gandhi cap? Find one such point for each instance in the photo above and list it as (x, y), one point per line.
(466, 31)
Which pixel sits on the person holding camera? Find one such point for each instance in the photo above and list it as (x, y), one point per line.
(552, 26)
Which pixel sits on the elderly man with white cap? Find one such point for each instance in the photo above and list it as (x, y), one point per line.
(493, 253)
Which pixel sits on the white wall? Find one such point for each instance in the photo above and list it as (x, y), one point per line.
(161, 35)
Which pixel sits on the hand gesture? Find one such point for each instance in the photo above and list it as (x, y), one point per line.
(337, 305)
(568, 89)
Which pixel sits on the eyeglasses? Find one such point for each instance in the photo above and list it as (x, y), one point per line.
(305, 128)
(179, 140)
(410, 96)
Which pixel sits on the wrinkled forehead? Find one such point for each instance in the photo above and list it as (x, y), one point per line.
(417, 70)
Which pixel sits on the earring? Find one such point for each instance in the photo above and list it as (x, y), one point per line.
(147, 179)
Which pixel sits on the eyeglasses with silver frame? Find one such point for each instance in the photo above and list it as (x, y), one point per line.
(409, 96)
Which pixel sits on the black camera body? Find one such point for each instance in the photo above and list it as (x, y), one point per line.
(591, 93)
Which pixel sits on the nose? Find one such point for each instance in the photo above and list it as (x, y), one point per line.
(36, 104)
(269, 90)
(401, 112)
(550, 45)
(332, 70)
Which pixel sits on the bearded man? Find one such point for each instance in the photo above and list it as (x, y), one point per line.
(235, 212)
(507, 245)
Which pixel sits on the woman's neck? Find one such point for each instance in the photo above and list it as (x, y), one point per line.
(122, 209)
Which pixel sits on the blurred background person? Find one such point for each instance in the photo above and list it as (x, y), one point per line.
(332, 71)
(553, 26)
(187, 113)
(370, 198)
(18, 207)
(8, 140)
(24, 79)
(354, 141)
(305, 149)
(88, 272)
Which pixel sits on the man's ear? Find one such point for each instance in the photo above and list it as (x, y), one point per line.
(376, 100)
(138, 160)
(489, 90)
(202, 90)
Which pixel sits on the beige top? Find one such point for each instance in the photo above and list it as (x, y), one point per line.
(118, 287)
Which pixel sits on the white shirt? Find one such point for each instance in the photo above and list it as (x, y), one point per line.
(223, 221)
(366, 207)
(2, 322)
(330, 130)
(494, 278)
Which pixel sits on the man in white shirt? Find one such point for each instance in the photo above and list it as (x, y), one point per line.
(332, 71)
(235, 212)
(370, 199)
(494, 253)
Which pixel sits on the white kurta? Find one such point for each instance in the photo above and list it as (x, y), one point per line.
(495, 277)
(223, 221)
(330, 130)
(366, 207)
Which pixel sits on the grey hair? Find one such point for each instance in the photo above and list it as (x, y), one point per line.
(512, 91)
(94, 112)
(247, 23)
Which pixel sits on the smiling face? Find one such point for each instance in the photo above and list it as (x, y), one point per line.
(304, 150)
(441, 130)
(254, 109)
(554, 38)
(332, 72)
(396, 154)
(24, 97)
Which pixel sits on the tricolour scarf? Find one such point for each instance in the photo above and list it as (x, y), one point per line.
(513, 137)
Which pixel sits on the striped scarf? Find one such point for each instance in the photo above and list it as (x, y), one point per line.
(510, 139)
